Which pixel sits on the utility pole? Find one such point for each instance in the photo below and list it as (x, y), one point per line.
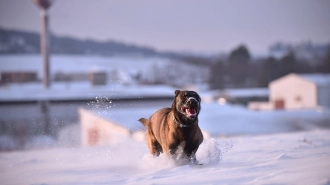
(44, 39)
(44, 48)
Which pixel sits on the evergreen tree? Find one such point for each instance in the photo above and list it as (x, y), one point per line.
(288, 64)
(325, 65)
(238, 66)
(217, 76)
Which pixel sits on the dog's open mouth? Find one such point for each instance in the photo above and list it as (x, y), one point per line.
(189, 111)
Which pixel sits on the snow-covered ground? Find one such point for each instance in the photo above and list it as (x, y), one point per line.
(265, 150)
(122, 69)
(80, 91)
(294, 158)
(78, 63)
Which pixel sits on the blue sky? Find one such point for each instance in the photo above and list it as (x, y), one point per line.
(204, 26)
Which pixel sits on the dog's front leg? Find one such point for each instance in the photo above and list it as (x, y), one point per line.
(192, 158)
(172, 151)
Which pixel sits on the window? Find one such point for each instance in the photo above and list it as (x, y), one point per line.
(279, 104)
(298, 98)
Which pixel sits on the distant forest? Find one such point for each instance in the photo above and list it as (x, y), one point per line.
(13, 42)
(240, 70)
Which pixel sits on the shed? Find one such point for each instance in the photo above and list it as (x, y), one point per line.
(297, 91)
(96, 130)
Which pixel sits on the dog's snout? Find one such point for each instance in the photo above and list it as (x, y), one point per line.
(192, 100)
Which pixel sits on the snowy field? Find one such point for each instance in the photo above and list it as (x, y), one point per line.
(291, 158)
(241, 147)
(79, 63)
(80, 91)
(119, 69)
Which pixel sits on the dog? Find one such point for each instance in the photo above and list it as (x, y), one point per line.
(174, 131)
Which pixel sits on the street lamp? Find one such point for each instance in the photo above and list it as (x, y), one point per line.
(44, 38)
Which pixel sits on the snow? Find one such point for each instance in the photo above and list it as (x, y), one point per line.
(244, 147)
(294, 158)
(261, 149)
(246, 92)
(237, 120)
(80, 91)
(76, 63)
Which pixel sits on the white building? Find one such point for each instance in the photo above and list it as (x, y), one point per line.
(96, 130)
(297, 91)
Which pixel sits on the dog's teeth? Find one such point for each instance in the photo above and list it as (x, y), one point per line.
(191, 111)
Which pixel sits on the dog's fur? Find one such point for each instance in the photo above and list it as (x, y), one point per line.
(175, 131)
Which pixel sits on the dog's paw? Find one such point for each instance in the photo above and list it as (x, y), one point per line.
(195, 162)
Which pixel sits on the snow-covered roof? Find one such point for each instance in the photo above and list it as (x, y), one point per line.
(317, 78)
(320, 79)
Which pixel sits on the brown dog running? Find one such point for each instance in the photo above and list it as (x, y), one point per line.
(175, 131)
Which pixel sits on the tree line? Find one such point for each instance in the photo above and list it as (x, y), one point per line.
(240, 70)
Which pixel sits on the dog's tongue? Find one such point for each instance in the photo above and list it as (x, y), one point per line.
(191, 111)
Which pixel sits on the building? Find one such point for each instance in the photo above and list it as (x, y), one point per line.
(96, 130)
(297, 91)
(98, 78)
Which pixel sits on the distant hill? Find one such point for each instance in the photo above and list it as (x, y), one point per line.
(13, 41)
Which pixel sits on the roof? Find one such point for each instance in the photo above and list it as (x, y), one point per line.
(317, 78)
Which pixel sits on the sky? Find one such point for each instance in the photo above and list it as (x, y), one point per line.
(203, 26)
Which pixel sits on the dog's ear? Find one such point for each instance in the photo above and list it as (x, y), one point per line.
(177, 92)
